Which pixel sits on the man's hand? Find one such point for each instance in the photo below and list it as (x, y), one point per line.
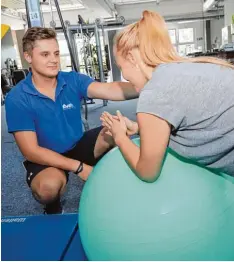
(132, 127)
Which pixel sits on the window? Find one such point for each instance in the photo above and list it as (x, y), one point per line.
(63, 47)
(190, 49)
(65, 59)
(186, 35)
(172, 33)
(18, 59)
(184, 50)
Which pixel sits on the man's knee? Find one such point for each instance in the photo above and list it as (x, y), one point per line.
(47, 190)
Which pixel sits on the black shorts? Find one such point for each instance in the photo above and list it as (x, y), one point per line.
(82, 151)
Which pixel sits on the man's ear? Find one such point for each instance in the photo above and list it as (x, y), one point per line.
(28, 57)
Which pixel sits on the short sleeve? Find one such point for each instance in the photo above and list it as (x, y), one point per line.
(83, 82)
(164, 97)
(18, 117)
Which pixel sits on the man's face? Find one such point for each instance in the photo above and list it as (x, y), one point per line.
(44, 58)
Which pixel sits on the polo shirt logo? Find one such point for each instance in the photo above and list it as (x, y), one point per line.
(68, 106)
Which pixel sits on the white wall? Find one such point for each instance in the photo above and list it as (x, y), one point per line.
(228, 11)
(18, 37)
(198, 27)
(14, 22)
(165, 8)
(199, 30)
(72, 16)
(216, 31)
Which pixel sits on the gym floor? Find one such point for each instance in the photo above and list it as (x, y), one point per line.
(16, 196)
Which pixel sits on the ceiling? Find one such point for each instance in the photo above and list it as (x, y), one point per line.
(64, 4)
(19, 5)
(12, 3)
(92, 9)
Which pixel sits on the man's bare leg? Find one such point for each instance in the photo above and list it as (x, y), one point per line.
(104, 143)
(48, 185)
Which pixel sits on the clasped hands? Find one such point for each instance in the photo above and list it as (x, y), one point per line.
(118, 125)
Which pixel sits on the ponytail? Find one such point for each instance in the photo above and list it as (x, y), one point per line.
(150, 35)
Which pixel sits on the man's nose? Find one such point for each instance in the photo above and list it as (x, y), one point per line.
(54, 59)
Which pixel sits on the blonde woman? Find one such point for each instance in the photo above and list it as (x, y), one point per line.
(185, 103)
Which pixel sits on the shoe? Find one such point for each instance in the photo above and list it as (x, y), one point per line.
(53, 208)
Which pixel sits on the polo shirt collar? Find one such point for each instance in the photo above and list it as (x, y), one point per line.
(31, 89)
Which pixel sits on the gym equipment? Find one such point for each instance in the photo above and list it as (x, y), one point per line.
(186, 214)
(11, 66)
(18, 75)
(89, 53)
(85, 39)
(89, 36)
(5, 88)
(34, 15)
(7, 78)
(10, 77)
(41, 238)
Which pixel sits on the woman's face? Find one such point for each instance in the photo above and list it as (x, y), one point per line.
(130, 70)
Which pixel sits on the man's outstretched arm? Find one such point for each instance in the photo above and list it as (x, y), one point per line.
(116, 91)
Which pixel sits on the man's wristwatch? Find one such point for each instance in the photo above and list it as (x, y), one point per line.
(79, 169)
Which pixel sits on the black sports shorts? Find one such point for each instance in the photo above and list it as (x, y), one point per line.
(82, 151)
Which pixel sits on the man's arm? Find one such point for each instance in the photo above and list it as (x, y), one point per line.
(28, 145)
(116, 91)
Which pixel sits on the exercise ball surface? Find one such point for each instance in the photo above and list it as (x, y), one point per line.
(186, 214)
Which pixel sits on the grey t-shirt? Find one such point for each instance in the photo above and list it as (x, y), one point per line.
(197, 99)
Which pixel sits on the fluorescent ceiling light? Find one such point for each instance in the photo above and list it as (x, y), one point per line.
(207, 5)
(47, 8)
(188, 21)
(129, 2)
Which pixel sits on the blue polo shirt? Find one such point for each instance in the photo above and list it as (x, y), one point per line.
(58, 123)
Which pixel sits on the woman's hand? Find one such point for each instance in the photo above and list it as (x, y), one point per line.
(132, 127)
(117, 128)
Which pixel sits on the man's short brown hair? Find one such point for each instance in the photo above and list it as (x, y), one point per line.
(36, 33)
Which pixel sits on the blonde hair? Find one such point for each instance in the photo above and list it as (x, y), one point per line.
(150, 35)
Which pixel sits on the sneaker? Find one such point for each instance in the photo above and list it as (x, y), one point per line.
(53, 208)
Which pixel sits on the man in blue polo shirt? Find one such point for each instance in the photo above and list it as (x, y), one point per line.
(43, 113)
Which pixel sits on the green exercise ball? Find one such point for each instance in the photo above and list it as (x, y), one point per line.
(186, 214)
